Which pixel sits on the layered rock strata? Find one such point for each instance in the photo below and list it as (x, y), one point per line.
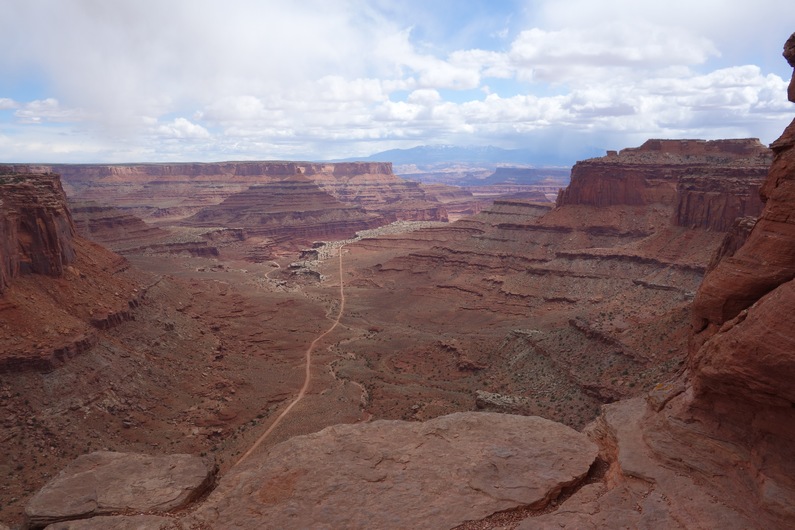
(296, 208)
(53, 283)
(587, 299)
(173, 191)
(766, 259)
(727, 425)
(36, 228)
(688, 174)
(113, 227)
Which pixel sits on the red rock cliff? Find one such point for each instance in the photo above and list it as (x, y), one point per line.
(36, 230)
(742, 357)
(707, 183)
(768, 257)
(180, 190)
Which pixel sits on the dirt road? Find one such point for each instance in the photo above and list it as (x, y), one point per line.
(308, 368)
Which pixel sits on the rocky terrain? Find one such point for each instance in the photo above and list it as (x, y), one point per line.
(531, 309)
(173, 191)
(122, 205)
(296, 209)
(621, 358)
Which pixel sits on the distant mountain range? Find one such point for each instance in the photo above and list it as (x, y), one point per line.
(434, 157)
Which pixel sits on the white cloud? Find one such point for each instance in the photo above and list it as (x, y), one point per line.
(182, 128)
(604, 51)
(44, 110)
(257, 78)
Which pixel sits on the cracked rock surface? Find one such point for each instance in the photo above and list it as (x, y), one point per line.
(395, 474)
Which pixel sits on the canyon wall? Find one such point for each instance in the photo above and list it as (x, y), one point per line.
(295, 208)
(166, 191)
(36, 230)
(709, 183)
(53, 284)
(731, 420)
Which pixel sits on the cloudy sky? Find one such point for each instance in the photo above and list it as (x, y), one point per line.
(205, 80)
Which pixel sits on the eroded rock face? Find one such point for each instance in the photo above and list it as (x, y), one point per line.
(736, 418)
(116, 522)
(691, 174)
(393, 474)
(36, 230)
(180, 190)
(766, 259)
(105, 482)
(295, 208)
(642, 490)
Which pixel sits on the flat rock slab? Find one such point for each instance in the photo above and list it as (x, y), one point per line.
(395, 474)
(105, 482)
(115, 522)
(645, 491)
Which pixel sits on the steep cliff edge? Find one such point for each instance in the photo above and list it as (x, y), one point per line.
(54, 285)
(728, 424)
(36, 231)
(699, 178)
(742, 358)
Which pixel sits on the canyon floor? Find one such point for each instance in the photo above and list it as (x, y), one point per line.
(215, 350)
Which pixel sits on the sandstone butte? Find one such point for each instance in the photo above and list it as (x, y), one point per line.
(710, 447)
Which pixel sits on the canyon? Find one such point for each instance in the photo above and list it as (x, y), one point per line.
(602, 360)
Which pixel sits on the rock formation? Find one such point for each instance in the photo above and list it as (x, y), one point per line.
(295, 208)
(766, 259)
(742, 358)
(178, 190)
(112, 227)
(43, 275)
(727, 425)
(448, 470)
(36, 228)
(104, 483)
(653, 173)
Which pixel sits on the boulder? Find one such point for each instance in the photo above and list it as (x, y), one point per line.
(106, 482)
(395, 474)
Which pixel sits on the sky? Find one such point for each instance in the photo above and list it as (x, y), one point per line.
(209, 80)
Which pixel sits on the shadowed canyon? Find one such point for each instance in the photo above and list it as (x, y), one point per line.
(318, 345)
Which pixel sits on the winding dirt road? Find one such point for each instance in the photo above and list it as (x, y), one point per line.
(308, 369)
(277, 267)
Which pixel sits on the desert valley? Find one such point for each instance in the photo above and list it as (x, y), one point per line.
(285, 344)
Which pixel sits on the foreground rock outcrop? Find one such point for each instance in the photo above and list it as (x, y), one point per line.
(389, 474)
(393, 474)
(104, 482)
